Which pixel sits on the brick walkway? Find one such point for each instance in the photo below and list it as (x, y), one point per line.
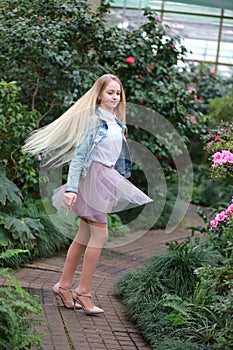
(111, 331)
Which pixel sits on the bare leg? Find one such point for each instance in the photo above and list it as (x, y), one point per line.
(73, 257)
(99, 234)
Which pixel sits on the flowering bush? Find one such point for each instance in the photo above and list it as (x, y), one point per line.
(219, 138)
(205, 84)
(222, 164)
(222, 217)
(219, 143)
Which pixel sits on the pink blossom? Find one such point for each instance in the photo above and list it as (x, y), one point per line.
(193, 117)
(209, 144)
(40, 158)
(187, 117)
(217, 158)
(191, 89)
(223, 157)
(212, 74)
(158, 19)
(229, 210)
(217, 138)
(228, 156)
(221, 216)
(214, 223)
(173, 44)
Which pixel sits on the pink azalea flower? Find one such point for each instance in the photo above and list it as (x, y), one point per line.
(40, 158)
(158, 19)
(229, 210)
(221, 216)
(217, 158)
(214, 223)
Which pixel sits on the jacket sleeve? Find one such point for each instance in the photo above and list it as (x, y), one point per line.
(78, 160)
(123, 164)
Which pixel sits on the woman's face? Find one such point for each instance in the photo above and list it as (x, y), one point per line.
(110, 96)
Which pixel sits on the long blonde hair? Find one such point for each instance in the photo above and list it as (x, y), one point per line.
(57, 141)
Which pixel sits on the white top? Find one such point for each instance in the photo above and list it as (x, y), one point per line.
(108, 149)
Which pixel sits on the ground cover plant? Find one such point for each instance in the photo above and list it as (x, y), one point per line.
(20, 313)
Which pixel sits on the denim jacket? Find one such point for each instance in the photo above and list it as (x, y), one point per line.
(83, 153)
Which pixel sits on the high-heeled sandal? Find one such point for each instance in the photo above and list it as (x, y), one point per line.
(68, 304)
(88, 310)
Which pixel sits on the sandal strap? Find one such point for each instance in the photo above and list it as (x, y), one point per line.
(64, 288)
(82, 295)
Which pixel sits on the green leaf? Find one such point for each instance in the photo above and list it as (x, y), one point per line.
(9, 191)
(16, 226)
(5, 237)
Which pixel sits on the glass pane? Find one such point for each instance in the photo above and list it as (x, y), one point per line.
(181, 7)
(200, 34)
(137, 3)
(226, 46)
(225, 70)
(228, 13)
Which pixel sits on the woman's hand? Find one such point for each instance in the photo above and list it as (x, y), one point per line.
(69, 198)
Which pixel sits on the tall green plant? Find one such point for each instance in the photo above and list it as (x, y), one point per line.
(16, 122)
(19, 313)
(13, 228)
(24, 226)
(207, 315)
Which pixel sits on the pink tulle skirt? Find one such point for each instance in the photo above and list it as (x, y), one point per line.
(102, 191)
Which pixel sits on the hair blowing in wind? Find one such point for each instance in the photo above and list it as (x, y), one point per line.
(58, 140)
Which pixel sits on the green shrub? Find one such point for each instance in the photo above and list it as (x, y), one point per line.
(16, 122)
(178, 344)
(209, 191)
(19, 319)
(206, 84)
(221, 109)
(23, 226)
(170, 273)
(207, 316)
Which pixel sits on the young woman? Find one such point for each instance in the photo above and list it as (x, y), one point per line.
(89, 135)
